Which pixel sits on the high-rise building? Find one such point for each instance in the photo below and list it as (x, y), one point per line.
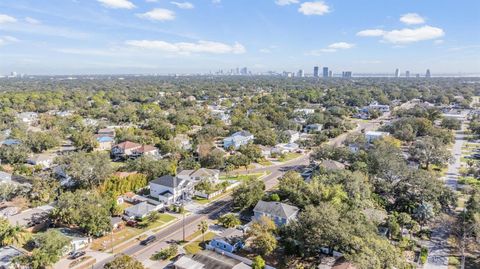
(407, 74)
(346, 74)
(427, 74)
(417, 75)
(300, 73)
(325, 72)
(397, 73)
(315, 71)
(330, 73)
(244, 71)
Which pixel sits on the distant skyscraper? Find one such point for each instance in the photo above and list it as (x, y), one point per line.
(325, 72)
(397, 73)
(427, 74)
(315, 71)
(244, 71)
(417, 75)
(347, 74)
(300, 73)
(407, 74)
(330, 73)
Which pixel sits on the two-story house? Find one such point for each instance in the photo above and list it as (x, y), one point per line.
(171, 189)
(280, 213)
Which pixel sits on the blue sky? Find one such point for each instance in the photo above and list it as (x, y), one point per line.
(162, 36)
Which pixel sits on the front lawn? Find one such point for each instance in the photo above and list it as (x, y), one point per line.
(289, 156)
(195, 246)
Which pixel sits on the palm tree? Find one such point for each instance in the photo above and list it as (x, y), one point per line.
(203, 228)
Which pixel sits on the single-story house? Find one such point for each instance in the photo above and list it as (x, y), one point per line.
(182, 141)
(32, 217)
(200, 174)
(106, 132)
(280, 213)
(230, 240)
(285, 148)
(5, 177)
(7, 254)
(371, 136)
(171, 189)
(140, 210)
(381, 108)
(28, 117)
(331, 165)
(77, 240)
(237, 139)
(116, 222)
(304, 111)
(292, 136)
(104, 142)
(310, 128)
(266, 151)
(208, 259)
(43, 160)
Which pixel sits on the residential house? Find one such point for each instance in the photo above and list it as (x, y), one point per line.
(285, 148)
(310, 128)
(200, 174)
(182, 141)
(5, 177)
(280, 213)
(128, 149)
(331, 165)
(140, 210)
(43, 160)
(28, 117)
(171, 189)
(381, 108)
(7, 255)
(116, 222)
(237, 139)
(292, 136)
(106, 132)
(304, 111)
(11, 142)
(208, 259)
(32, 218)
(371, 136)
(266, 151)
(230, 240)
(77, 240)
(104, 142)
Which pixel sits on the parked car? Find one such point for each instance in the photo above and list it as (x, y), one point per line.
(149, 240)
(132, 223)
(77, 254)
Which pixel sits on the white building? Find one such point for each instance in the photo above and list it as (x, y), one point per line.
(293, 136)
(371, 136)
(238, 139)
(313, 128)
(305, 111)
(170, 189)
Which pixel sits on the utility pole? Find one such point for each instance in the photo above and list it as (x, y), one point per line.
(183, 222)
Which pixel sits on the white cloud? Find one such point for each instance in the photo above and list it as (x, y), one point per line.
(314, 8)
(7, 19)
(188, 47)
(158, 14)
(285, 2)
(438, 41)
(332, 48)
(371, 32)
(117, 4)
(5, 40)
(406, 35)
(341, 45)
(183, 5)
(32, 20)
(412, 18)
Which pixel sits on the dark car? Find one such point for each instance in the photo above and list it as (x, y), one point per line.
(149, 240)
(77, 255)
(132, 223)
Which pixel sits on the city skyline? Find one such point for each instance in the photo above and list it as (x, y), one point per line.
(145, 36)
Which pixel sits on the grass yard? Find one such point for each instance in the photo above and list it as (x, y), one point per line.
(242, 177)
(106, 242)
(195, 246)
(469, 181)
(265, 162)
(289, 156)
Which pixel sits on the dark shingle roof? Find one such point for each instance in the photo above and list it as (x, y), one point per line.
(168, 181)
(276, 209)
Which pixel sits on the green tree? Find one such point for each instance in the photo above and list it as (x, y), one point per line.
(258, 263)
(430, 150)
(203, 228)
(88, 170)
(124, 262)
(12, 234)
(248, 193)
(84, 140)
(229, 221)
(14, 154)
(49, 247)
(262, 235)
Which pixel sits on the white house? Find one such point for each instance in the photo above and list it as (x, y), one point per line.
(77, 240)
(5, 177)
(199, 175)
(305, 111)
(374, 135)
(293, 136)
(140, 210)
(28, 117)
(285, 148)
(238, 139)
(170, 189)
(381, 108)
(43, 160)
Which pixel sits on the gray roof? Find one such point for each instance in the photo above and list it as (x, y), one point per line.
(205, 172)
(168, 181)
(7, 254)
(140, 209)
(276, 209)
(332, 165)
(209, 260)
(31, 216)
(5, 177)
